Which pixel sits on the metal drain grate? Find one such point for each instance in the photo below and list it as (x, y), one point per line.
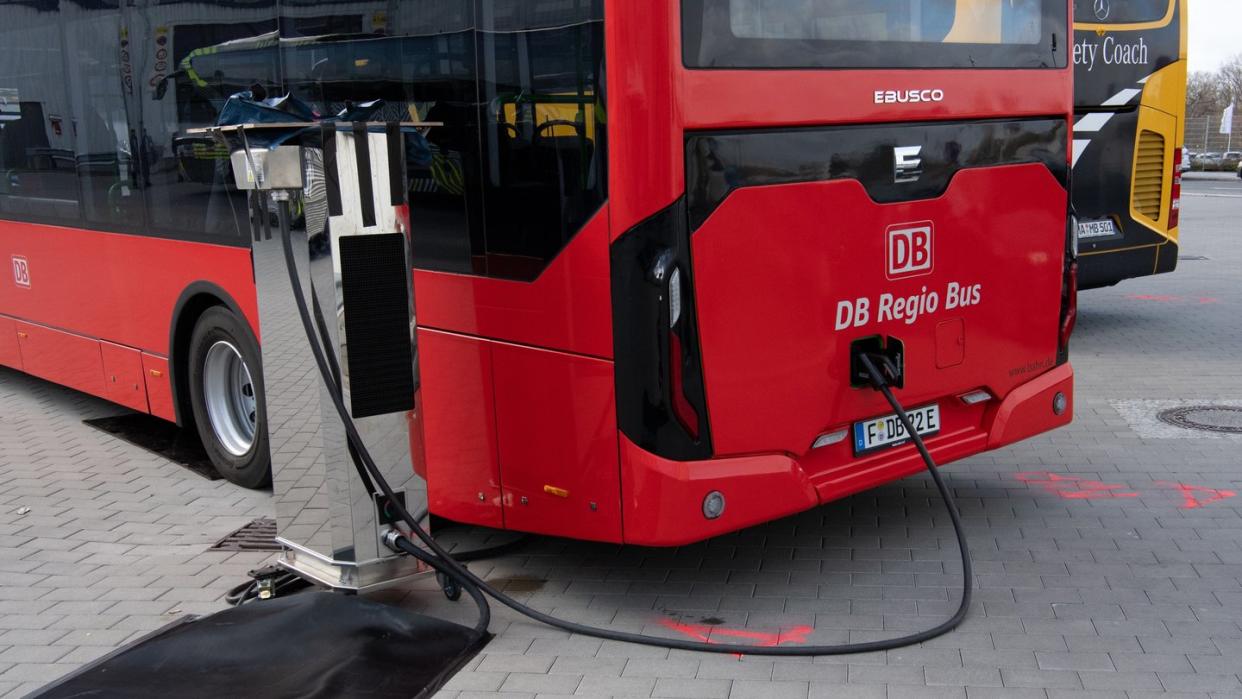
(259, 535)
(1209, 418)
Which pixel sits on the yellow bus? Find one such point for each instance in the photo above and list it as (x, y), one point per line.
(1130, 121)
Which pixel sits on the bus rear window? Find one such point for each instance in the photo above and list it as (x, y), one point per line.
(1120, 11)
(874, 33)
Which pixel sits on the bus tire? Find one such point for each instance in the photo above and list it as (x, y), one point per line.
(227, 397)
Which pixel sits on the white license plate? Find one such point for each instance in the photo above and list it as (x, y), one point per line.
(888, 431)
(1090, 230)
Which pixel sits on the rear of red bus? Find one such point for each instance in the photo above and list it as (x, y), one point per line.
(794, 183)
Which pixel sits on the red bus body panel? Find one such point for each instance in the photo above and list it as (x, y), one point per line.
(10, 352)
(459, 433)
(775, 357)
(561, 309)
(558, 443)
(159, 386)
(116, 287)
(68, 359)
(123, 376)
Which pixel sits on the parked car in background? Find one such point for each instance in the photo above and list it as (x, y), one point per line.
(1208, 161)
(1230, 160)
(1187, 157)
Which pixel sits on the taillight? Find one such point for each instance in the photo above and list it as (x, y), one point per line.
(686, 414)
(1069, 314)
(1175, 193)
(661, 401)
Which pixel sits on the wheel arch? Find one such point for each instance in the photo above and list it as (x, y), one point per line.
(194, 300)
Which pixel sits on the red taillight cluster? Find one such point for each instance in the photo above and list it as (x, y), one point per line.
(685, 412)
(1175, 192)
(1070, 304)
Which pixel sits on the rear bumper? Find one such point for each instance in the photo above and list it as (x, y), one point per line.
(662, 500)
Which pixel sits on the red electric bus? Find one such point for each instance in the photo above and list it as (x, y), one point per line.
(649, 237)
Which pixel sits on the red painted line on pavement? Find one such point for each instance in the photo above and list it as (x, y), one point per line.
(1190, 494)
(1075, 488)
(708, 634)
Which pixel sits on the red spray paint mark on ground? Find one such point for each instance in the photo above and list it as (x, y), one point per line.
(1168, 298)
(1191, 494)
(711, 634)
(1075, 488)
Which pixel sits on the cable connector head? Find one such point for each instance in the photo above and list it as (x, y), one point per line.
(391, 539)
(877, 362)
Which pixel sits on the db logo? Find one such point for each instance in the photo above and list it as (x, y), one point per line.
(909, 250)
(21, 271)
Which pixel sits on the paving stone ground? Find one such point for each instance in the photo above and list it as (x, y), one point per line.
(1108, 563)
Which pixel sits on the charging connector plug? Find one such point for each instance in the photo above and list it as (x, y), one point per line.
(887, 354)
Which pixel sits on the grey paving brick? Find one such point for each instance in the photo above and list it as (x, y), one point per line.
(963, 677)
(41, 673)
(598, 686)
(1199, 682)
(885, 674)
(1025, 677)
(1087, 694)
(574, 665)
(586, 647)
(728, 668)
(661, 667)
(811, 672)
(85, 654)
(822, 690)
(516, 663)
(769, 689)
(617, 649)
(540, 683)
(33, 654)
(1051, 660)
(905, 692)
(1000, 658)
(1004, 693)
(1151, 662)
(1127, 681)
(476, 680)
(692, 688)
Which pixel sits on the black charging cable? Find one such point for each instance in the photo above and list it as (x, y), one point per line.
(439, 559)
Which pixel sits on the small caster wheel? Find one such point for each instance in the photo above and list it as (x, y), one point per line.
(451, 589)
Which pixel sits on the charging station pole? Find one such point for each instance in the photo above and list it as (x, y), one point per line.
(356, 273)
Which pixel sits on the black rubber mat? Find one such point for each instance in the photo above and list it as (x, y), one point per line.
(311, 645)
(161, 437)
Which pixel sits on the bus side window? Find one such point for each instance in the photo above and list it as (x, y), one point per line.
(105, 158)
(420, 60)
(544, 141)
(189, 71)
(37, 179)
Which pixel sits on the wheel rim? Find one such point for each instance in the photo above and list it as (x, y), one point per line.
(228, 392)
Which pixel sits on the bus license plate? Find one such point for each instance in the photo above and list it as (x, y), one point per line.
(888, 431)
(1091, 230)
